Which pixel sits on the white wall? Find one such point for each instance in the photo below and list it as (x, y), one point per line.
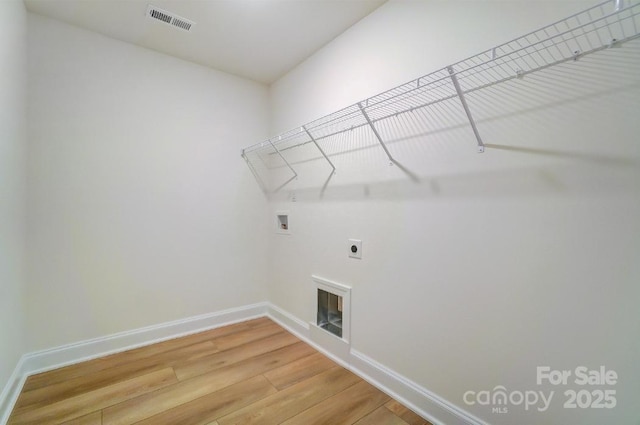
(494, 264)
(13, 141)
(140, 209)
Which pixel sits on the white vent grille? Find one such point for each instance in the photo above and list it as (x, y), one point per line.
(169, 18)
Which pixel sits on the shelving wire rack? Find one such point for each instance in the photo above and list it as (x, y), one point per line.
(606, 25)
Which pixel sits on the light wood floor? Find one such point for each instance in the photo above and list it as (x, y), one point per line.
(249, 373)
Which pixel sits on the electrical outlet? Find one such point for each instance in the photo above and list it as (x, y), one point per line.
(355, 248)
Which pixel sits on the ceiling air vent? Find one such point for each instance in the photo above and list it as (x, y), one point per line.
(169, 18)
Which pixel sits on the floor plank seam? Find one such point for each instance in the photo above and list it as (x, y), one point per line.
(253, 372)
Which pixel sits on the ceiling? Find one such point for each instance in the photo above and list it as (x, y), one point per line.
(256, 39)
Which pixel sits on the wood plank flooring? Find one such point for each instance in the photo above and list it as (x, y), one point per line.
(250, 373)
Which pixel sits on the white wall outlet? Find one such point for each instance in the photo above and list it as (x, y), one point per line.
(355, 248)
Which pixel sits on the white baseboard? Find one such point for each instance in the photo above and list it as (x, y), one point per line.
(412, 395)
(11, 391)
(431, 406)
(99, 347)
(291, 322)
(65, 355)
(417, 398)
(302, 330)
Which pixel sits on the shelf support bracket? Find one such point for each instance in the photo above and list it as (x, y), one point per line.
(254, 172)
(373, 128)
(319, 148)
(456, 84)
(295, 175)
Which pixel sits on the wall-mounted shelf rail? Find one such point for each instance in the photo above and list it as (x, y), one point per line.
(603, 26)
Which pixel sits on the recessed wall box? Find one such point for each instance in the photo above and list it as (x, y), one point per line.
(282, 223)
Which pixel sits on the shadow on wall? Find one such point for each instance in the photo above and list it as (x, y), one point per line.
(568, 129)
(561, 181)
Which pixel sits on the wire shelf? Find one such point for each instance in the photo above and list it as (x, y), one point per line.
(602, 26)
